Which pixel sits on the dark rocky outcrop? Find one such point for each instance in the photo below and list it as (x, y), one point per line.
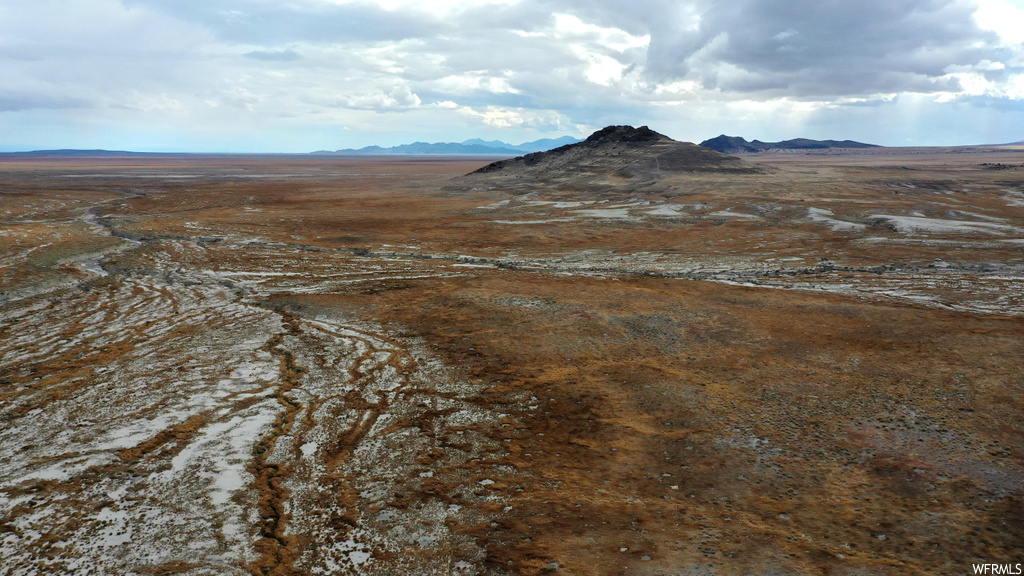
(738, 145)
(615, 153)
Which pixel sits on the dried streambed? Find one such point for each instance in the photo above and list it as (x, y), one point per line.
(162, 418)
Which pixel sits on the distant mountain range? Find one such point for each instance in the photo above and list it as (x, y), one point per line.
(737, 144)
(72, 152)
(472, 147)
(478, 147)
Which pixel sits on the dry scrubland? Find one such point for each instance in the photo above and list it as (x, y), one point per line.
(329, 366)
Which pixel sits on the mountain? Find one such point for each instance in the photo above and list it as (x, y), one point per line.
(614, 153)
(731, 144)
(534, 146)
(488, 143)
(737, 144)
(439, 148)
(72, 153)
(470, 147)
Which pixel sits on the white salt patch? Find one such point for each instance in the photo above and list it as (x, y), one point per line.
(232, 475)
(117, 531)
(139, 431)
(826, 217)
(227, 482)
(555, 204)
(532, 221)
(359, 557)
(356, 553)
(249, 273)
(911, 224)
(67, 468)
(224, 448)
(613, 213)
(425, 539)
(1014, 198)
(665, 210)
(309, 448)
(256, 372)
(498, 204)
(93, 267)
(467, 417)
(728, 214)
(978, 216)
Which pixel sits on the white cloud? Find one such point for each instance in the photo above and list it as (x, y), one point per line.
(500, 117)
(604, 70)
(398, 98)
(236, 97)
(438, 7)
(785, 34)
(160, 103)
(602, 53)
(475, 81)
(444, 70)
(1002, 17)
(570, 27)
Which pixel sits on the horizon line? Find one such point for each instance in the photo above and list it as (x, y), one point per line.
(86, 152)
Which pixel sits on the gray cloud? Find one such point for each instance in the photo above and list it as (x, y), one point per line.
(809, 48)
(799, 48)
(273, 55)
(540, 65)
(282, 22)
(18, 101)
(1001, 104)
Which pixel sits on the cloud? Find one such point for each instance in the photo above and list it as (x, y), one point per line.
(18, 101)
(813, 49)
(158, 103)
(256, 22)
(1003, 18)
(397, 98)
(537, 67)
(499, 117)
(273, 56)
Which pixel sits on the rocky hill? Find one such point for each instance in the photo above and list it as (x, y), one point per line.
(736, 144)
(616, 152)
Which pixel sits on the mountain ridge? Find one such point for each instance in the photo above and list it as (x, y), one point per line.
(540, 145)
(473, 146)
(76, 152)
(738, 144)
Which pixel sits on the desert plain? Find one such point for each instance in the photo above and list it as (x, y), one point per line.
(382, 366)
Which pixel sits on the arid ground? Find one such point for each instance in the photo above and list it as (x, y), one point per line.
(291, 365)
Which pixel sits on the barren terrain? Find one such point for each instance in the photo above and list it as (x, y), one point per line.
(280, 365)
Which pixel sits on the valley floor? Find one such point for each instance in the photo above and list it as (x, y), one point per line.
(276, 365)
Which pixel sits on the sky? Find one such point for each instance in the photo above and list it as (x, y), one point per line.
(305, 75)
